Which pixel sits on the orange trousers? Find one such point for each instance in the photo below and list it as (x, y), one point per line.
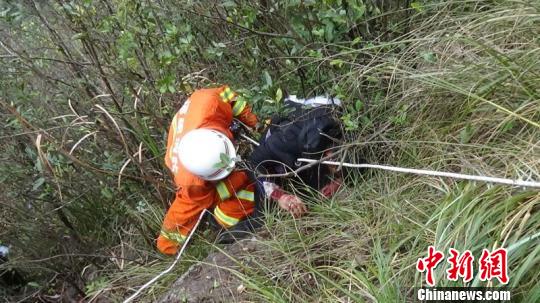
(230, 201)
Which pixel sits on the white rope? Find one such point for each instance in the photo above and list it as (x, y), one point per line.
(138, 292)
(430, 173)
(419, 171)
(250, 140)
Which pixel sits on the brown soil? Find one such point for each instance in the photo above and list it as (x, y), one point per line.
(213, 279)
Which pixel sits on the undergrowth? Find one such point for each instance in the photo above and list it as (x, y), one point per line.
(89, 87)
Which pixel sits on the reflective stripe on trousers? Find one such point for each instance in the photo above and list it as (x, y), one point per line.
(173, 236)
(223, 218)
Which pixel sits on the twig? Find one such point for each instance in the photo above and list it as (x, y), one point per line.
(221, 18)
(72, 108)
(76, 255)
(138, 153)
(116, 125)
(302, 168)
(250, 140)
(81, 140)
(81, 163)
(121, 171)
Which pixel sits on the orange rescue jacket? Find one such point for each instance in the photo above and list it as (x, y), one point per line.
(212, 108)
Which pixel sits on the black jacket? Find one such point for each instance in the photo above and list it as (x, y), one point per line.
(304, 132)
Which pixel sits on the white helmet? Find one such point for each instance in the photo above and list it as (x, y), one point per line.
(200, 152)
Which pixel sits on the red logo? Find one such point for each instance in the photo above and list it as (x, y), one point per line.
(460, 266)
(491, 265)
(494, 265)
(429, 264)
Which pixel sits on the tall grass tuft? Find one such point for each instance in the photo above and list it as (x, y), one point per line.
(443, 85)
(458, 92)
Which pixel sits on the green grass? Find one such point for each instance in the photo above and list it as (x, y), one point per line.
(451, 86)
(474, 108)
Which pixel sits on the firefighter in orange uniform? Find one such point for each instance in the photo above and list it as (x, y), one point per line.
(198, 137)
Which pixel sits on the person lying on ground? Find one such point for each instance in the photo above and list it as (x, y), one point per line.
(307, 129)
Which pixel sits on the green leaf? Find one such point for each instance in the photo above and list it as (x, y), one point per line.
(417, 6)
(318, 32)
(360, 10)
(163, 89)
(358, 105)
(466, 134)
(366, 121)
(225, 161)
(106, 193)
(267, 79)
(77, 36)
(329, 31)
(372, 79)
(349, 123)
(508, 126)
(39, 166)
(167, 83)
(38, 183)
(33, 284)
(315, 53)
(228, 4)
(337, 62)
(224, 158)
(429, 57)
(166, 57)
(356, 41)
(104, 26)
(171, 30)
(279, 94)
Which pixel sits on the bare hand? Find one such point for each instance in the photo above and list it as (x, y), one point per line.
(292, 204)
(331, 188)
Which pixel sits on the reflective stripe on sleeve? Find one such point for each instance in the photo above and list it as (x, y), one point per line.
(223, 218)
(226, 95)
(222, 190)
(246, 195)
(173, 236)
(239, 106)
